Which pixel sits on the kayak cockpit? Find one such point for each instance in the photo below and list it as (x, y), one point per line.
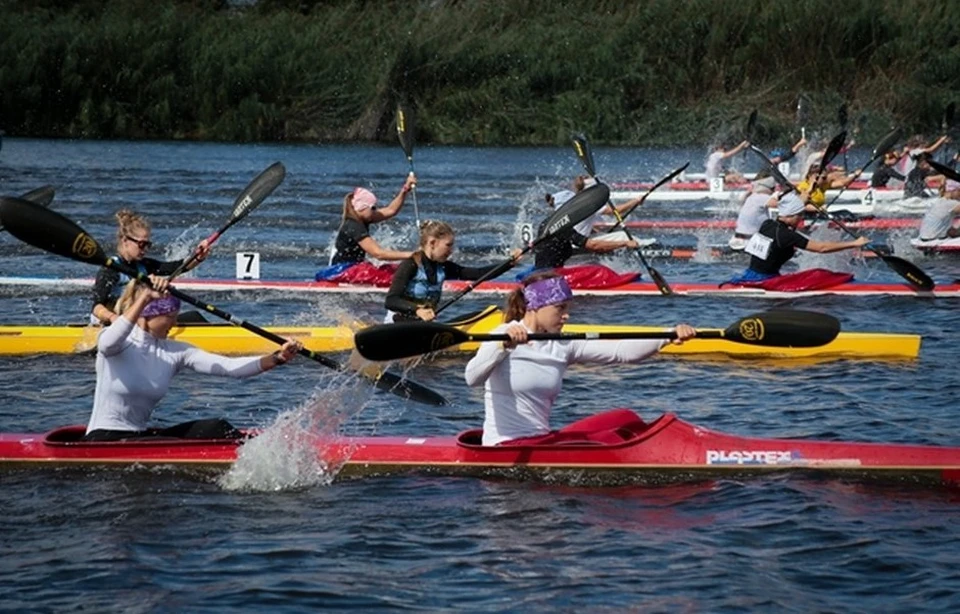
(629, 433)
(70, 436)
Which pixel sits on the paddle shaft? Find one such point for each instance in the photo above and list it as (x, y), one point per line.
(610, 335)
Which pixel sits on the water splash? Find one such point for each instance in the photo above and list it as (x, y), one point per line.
(302, 448)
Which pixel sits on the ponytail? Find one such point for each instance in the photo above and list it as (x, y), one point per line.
(515, 306)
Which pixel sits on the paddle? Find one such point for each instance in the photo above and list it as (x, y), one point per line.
(55, 233)
(574, 211)
(666, 179)
(779, 328)
(803, 113)
(251, 197)
(909, 271)
(585, 154)
(882, 148)
(842, 118)
(947, 127)
(751, 128)
(405, 131)
(945, 170)
(42, 196)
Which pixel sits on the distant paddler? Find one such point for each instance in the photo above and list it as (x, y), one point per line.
(755, 210)
(940, 220)
(354, 243)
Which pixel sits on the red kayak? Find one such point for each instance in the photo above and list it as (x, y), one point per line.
(664, 450)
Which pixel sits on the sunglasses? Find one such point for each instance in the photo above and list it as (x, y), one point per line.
(141, 243)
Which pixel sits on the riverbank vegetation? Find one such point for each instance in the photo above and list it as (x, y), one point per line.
(476, 72)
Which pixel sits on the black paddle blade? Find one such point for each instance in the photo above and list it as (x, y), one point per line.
(584, 153)
(751, 126)
(842, 117)
(658, 279)
(577, 209)
(887, 143)
(948, 113)
(945, 170)
(412, 391)
(802, 110)
(258, 189)
(42, 196)
(785, 328)
(405, 130)
(833, 148)
(50, 231)
(405, 339)
(909, 271)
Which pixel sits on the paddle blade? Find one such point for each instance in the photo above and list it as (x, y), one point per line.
(42, 196)
(803, 110)
(751, 126)
(584, 153)
(405, 130)
(784, 328)
(412, 391)
(945, 170)
(909, 271)
(778, 176)
(405, 339)
(258, 190)
(833, 148)
(887, 143)
(948, 113)
(575, 210)
(50, 231)
(842, 117)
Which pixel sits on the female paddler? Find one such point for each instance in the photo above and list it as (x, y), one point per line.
(418, 282)
(133, 241)
(354, 243)
(136, 363)
(522, 379)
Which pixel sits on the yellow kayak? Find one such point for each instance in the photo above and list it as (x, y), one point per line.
(228, 339)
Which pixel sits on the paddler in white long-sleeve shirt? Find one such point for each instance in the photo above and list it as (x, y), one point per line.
(136, 363)
(521, 380)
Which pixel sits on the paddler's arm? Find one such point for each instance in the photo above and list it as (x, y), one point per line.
(248, 366)
(375, 250)
(492, 353)
(397, 203)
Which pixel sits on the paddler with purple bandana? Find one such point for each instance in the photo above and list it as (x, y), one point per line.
(136, 363)
(522, 379)
(778, 240)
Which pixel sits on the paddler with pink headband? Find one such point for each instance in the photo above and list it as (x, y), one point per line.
(522, 379)
(354, 242)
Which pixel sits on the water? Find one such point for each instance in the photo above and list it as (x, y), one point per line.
(283, 535)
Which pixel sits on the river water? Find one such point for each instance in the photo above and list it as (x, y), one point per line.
(279, 533)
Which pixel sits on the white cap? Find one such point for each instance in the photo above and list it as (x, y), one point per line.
(790, 205)
(589, 182)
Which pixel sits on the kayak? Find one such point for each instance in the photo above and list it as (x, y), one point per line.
(227, 339)
(729, 224)
(951, 245)
(947, 290)
(664, 450)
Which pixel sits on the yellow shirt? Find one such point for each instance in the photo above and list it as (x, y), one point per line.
(817, 197)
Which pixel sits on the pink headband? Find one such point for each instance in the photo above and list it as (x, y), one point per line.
(546, 292)
(363, 199)
(161, 306)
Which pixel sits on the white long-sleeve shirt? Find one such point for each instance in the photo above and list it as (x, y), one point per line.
(134, 371)
(521, 384)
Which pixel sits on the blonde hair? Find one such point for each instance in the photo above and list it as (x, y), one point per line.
(129, 295)
(348, 211)
(431, 229)
(516, 305)
(127, 222)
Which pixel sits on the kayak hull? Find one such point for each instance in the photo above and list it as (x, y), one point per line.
(232, 340)
(665, 450)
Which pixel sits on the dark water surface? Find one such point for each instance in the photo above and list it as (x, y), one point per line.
(277, 535)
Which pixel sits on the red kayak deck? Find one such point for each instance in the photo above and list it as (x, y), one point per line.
(665, 450)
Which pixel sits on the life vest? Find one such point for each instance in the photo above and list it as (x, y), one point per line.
(124, 279)
(424, 290)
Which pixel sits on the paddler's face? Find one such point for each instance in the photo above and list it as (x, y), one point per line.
(550, 319)
(439, 249)
(159, 326)
(135, 244)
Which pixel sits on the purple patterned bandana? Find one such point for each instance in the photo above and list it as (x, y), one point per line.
(545, 292)
(161, 306)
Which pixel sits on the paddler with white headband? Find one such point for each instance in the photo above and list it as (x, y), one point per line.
(778, 240)
(522, 379)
